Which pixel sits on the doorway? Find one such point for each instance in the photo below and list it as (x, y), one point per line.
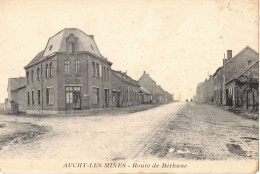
(73, 97)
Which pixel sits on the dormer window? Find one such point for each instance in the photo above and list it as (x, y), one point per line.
(72, 47)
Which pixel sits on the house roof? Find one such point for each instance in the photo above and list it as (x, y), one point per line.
(147, 76)
(124, 77)
(241, 72)
(144, 90)
(246, 48)
(15, 83)
(57, 43)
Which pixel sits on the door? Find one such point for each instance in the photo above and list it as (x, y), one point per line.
(106, 98)
(73, 97)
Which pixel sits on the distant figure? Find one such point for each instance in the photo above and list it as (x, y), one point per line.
(187, 100)
(191, 100)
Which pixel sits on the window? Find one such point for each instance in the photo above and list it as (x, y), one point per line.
(39, 97)
(32, 75)
(97, 68)
(67, 66)
(248, 61)
(46, 71)
(51, 70)
(100, 70)
(93, 69)
(104, 71)
(49, 96)
(32, 97)
(38, 73)
(77, 66)
(107, 74)
(72, 48)
(27, 76)
(95, 95)
(113, 96)
(28, 98)
(50, 47)
(92, 47)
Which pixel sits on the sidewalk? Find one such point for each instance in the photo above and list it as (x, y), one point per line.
(238, 111)
(95, 112)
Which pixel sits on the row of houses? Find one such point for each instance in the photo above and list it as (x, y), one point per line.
(234, 84)
(72, 74)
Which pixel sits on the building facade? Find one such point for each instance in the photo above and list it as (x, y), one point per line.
(125, 90)
(243, 88)
(230, 67)
(69, 74)
(218, 87)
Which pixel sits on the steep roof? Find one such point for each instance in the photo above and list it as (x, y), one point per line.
(145, 75)
(241, 72)
(36, 59)
(246, 48)
(144, 90)
(124, 77)
(57, 43)
(15, 83)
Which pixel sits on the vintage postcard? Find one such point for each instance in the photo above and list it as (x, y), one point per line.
(129, 86)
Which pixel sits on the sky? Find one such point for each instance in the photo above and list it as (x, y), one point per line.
(179, 43)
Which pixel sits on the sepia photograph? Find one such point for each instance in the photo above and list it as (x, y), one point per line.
(129, 86)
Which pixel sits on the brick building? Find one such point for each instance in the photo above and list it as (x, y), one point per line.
(216, 88)
(125, 90)
(69, 74)
(146, 81)
(16, 94)
(243, 88)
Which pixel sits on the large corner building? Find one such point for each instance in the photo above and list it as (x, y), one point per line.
(69, 74)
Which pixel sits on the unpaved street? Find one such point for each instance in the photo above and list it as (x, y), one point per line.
(172, 131)
(94, 137)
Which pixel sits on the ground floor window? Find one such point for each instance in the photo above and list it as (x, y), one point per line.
(32, 97)
(39, 97)
(113, 96)
(95, 95)
(28, 98)
(49, 96)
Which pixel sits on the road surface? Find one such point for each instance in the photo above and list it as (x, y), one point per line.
(172, 131)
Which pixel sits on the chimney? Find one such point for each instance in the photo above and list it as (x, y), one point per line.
(91, 36)
(229, 55)
(224, 61)
(144, 72)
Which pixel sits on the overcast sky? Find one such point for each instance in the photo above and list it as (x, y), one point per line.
(177, 42)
